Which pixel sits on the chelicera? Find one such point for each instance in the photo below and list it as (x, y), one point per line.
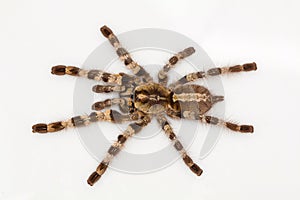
(141, 100)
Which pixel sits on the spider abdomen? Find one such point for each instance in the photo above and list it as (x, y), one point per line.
(194, 98)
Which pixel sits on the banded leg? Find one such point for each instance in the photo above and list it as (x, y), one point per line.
(229, 125)
(125, 56)
(178, 146)
(125, 101)
(109, 102)
(115, 148)
(214, 72)
(125, 92)
(212, 120)
(84, 120)
(162, 74)
(94, 74)
(108, 88)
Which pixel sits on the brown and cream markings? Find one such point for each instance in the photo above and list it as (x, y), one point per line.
(141, 99)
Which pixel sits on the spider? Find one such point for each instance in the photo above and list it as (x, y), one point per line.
(141, 99)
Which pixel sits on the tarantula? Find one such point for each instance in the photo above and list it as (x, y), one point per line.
(141, 99)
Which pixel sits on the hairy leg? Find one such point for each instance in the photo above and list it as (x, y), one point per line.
(163, 73)
(178, 146)
(211, 120)
(108, 88)
(95, 74)
(115, 148)
(125, 56)
(84, 120)
(109, 102)
(214, 72)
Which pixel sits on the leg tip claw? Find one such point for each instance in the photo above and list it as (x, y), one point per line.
(58, 70)
(196, 169)
(94, 177)
(39, 128)
(105, 31)
(246, 129)
(250, 67)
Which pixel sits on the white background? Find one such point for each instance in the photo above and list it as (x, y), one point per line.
(34, 35)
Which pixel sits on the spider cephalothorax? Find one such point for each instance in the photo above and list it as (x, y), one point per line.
(141, 99)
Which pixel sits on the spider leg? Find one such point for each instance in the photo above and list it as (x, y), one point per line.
(214, 72)
(125, 101)
(94, 74)
(212, 120)
(108, 88)
(162, 74)
(125, 56)
(220, 122)
(115, 148)
(84, 120)
(178, 146)
(128, 96)
(109, 102)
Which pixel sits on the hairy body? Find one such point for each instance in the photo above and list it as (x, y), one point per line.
(141, 99)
